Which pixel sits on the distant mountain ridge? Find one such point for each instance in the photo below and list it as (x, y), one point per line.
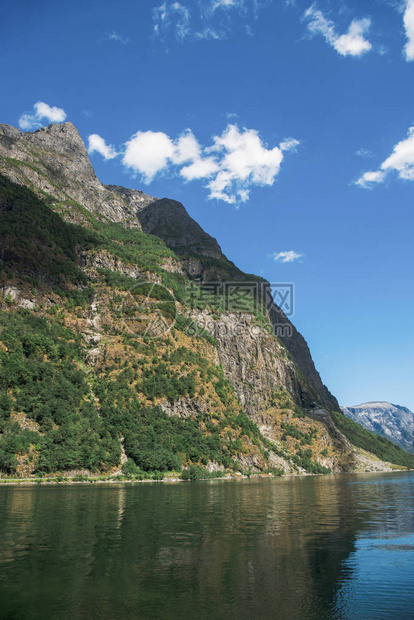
(394, 422)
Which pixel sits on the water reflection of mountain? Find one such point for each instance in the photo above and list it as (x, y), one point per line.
(265, 549)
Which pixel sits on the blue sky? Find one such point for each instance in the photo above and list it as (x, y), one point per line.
(284, 127)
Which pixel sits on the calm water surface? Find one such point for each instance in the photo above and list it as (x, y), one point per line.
(333, 547)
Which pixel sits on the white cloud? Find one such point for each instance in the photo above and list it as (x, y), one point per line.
(118, 38)
(209, 34)
(236, 161)
(98, 144)
(352, 43)
(147, 153)
(204, 19)
(409, 29)
(187, 148)
(200, 169)
(289, 145)
(223, 3)
(370, 178)
(400, 161)
(51, 113)
(365, 153)
(171, 16)
(32, 120)
(244, 161)
(287, 257)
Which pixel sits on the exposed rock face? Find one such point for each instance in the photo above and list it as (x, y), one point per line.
(103, 260)
(253, 361)
(257, 365)
(321, 415)
(55, 160)
(199, 252)
(136, 199)
(183, 407)
(300, 353)
(169, 220)
(391, 421)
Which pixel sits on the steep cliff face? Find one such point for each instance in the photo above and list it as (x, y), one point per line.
(169, 220)
(97, 291)
(313, 391)
(136, 199)
(253, 360)
(204, 260)
(54, 160)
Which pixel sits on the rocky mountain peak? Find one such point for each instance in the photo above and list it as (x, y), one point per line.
(169, 220)
(66, 130)
(54, 160)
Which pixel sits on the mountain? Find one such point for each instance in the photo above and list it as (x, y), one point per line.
(129, 342)
(54, 162)
(391, 421)
(204, 260)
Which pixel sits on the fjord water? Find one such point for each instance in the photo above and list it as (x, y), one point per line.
(333, 547)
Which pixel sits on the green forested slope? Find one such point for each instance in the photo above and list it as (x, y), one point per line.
(85, 386)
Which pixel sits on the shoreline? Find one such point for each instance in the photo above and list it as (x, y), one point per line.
(53, 482)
